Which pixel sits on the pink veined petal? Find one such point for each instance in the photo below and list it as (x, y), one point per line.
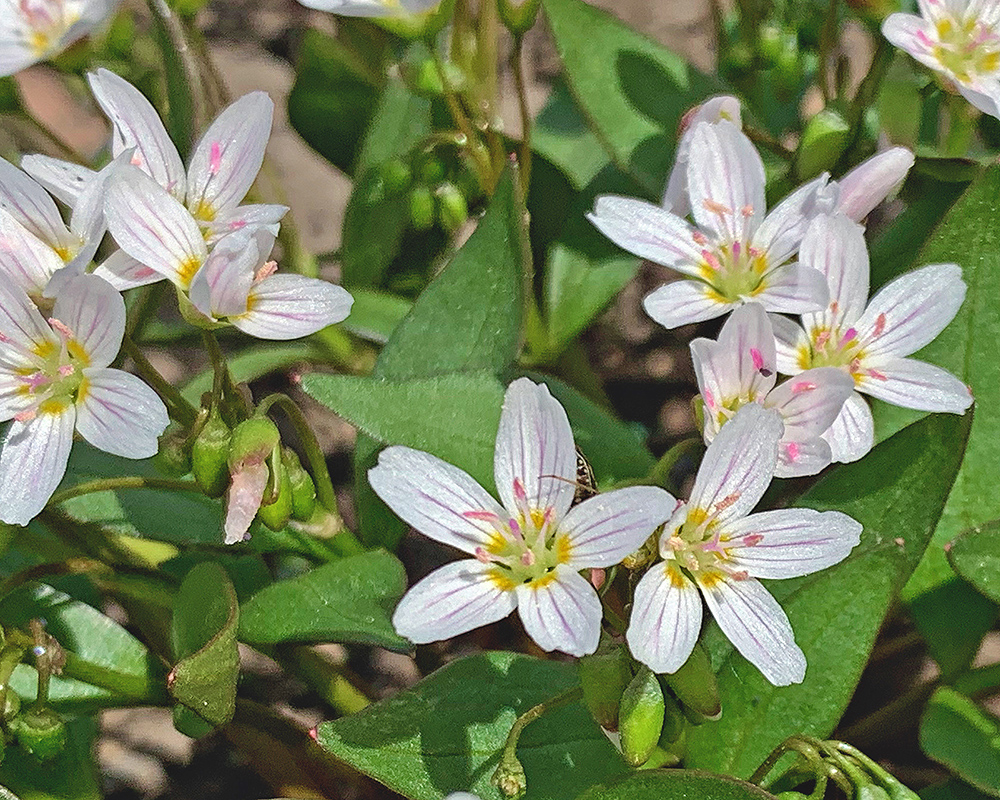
(227, 159)
(758, 628)
(291, 306)
(87, 221)
(799, 457)
(684, 303)
(852, 434)
(603, 529)
(22, 328)
(648, 231)
(452, 600)
(222, 286)
(911, 311)
(782, 230)
(718, 380)
(244, 217)
(794, 541)
(31, 206)
(810, 401)
(911, 383)
(438, 499)
(370, 8)
(137, 125)
(562, 613)
(872, 181)
(738, 465)
(32, 463)
(725, 181)
(793, 289)
(666, 618)
(63, 179)
(909, 33)
(836, 247)
(25, 259)
(152, 227)
(243, 498)
(535, 448)
(749, 336)
(790, 341)
(95, 314)
(15, 53)
(124, 272)
(13, 399)
(119, 414)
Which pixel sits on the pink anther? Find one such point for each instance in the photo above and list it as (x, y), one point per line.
(60, 327)
(66, 370)
(726, 502)
(699, 238)
(874, 373)
(792, 451)
(752, 538)
(715, 207)
(758, 359)
(266, 271)
(482, 555)
(709, 398)
(527, 558)
(27, 415)
(747, 211)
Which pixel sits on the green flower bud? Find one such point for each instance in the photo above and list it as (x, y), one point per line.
(452, 209)
(640, 717)
(421, 208)
(303, 488)
(604, 675)
(253, 441)
(695, 686)
(276, 515)
(210, 455)
(431, 170)
(674, 722)
(518, 15)
(871, 792)
(418, 26)
(396, 176)
(40, 733)
(823, 142)
(174, 455)
(422, 77)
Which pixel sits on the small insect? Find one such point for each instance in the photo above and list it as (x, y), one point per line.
(586, 485)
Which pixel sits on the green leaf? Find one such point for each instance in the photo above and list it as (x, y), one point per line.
(633, 91)
(952, 790)
(445, 734)
(676, 784)
(72, 775)
(896, 492)
(375, 315)
(373, 232)
(401, 121)
(454, 416)
(975, 555)
(956, 732)
(203, 633)
(350, 600)
(562, 136)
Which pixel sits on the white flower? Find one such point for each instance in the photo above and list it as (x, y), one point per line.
(229, 283)
(736, 254)
(741, 368)
(34, 30)
(528, 552)
(371, 8)
(54, 377)
(711, 548)
(959, 39)
(871, 343)
(869, 183)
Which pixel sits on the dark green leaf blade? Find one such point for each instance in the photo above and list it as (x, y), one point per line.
(975, 555)
(959, 734)
(677, 784)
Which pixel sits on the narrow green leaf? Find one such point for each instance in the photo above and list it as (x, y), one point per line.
(72, 775)
(445, 734)
(975, 555)
(350, 600)
(956, 732)
(203, 632)
(896, 492)
(676, 784)
(400, 122)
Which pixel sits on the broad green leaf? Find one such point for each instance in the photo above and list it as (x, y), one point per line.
(562, 136)
(975, 555)
(956, 732)
(633, 91)
(453, 416)
(401, 121)
(896, 492)
(375, 315)
(350, 600)
(72, 775)
(203, 634)
(118, 667)
(445, 734)
(952, 790)
(254, 362)
(676, 784)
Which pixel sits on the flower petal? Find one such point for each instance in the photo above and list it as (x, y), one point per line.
(119, 414)
(802, 456)
(435, 498)
(911, 383)
(370, 8)
(853, 431)
(535, 448)
(562, 612)
(227, 159)
(95, 313)
(33, 462)
(124, 272)
(749, 336)
(243, 217)
(738, 464)
(291, 306)
(666, 618)
(22, 328)
(454, 599)
(31, 206)
(25, 259)
(782, 230)
(603, 529)
(910, 34)
(911, 311)
(869, 183)
(648, 231)
(222, 286)
(243, 499)
(794, 541)
(836, 247)
(811, 401)
(793, 289)
(63, 179)
(758, 627)
(725, 181)
(684, 303)
(791, 345)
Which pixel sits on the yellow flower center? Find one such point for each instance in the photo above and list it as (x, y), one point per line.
(966, 47)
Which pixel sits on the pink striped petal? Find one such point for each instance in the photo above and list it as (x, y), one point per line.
(684, 303)
(793, 289)
(292, 306)
(791, 345)
(852, 434)
(563, 613)
(836, 247)
(910, 383)
(783, 229)
(119, 414)
(95, 314)
(25, 260)
(32, 463)
(63, 179)
(124, 272)
(666, 618)
(872, 181)
(31, 206)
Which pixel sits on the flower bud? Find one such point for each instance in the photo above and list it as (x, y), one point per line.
(40, 733)
(277, 513)
(604, 675)
(174, 455)
(823, 142)
(422, 78)
(423, 25)
(254, 441)
(452, 210)
(396, 176)
(431, 170)
(303, 488)
(674, 722)
(695, 686)
(640, 717)
(210, 455)
(518, 15)
(421, 208)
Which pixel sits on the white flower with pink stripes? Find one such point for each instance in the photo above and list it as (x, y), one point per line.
(871, 342)
(714, 549)
(54, 379)
(526, 553)
(741, 368)
(371, 8)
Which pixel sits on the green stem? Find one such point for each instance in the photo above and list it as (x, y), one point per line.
(43, 661)
(10, 657)
(827, 40)
(180, 409)
(123, 482)
(516, 62)
(328, 681)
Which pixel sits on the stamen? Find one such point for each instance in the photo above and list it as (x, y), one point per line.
(484, 516)
(715, 207)
(874, 373)
(27, 415)
(757, 358)
(849, 334)
(483, 556)
(527, 558)
(265, 271)
(709, 398)
(747, 211)
(136, 160)
(834, 307)
(61, 327)
(792, 451)
(699, 238)
(752, 538)
(515, 530)
(726, 502)
(823, 338)
(711, 259)
(66, 370)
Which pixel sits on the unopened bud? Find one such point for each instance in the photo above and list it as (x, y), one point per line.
(210, 455)
(695, 686)
(253, 440)
(603, 676)
(431, 170)
(173, 457)
(40, 733)
(452, 209)
(823, 142)
(509, 777)
(396, 176)
(674, 722)
(303, 488)
(518, 15)
(640, 717)
(421, 208)
(276, 514)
